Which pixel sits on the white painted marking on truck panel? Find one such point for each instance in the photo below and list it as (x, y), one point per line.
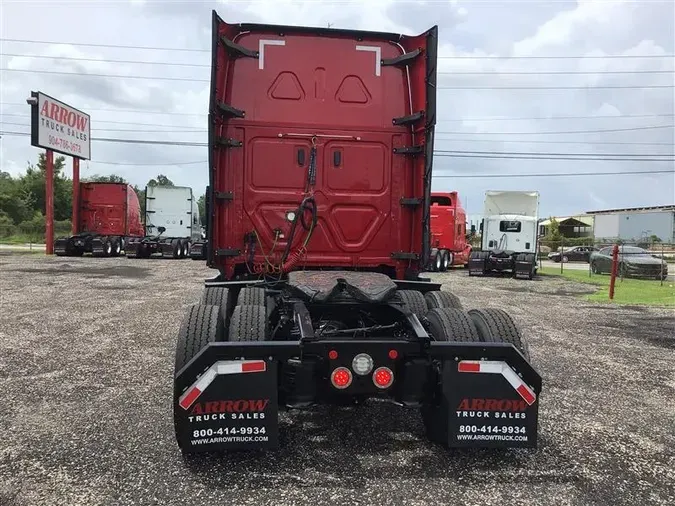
(378, 56)
(222, 367)
(261, 49)
(499, 367)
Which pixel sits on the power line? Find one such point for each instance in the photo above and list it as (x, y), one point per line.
(115, 76)
(564, 132)
(469, 154)
(107, 60)
(495, 141)
(117, 46)
(454, 73)
(473, 88)
(607, 158)
(453, 57)
(557, 174)
(620, 155)
(193, 131)
(149, 164)
(593, 143)
(135, 111)
(654, 127)
(485, 118)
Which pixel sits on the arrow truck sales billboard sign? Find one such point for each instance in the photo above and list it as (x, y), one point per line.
(59, 127)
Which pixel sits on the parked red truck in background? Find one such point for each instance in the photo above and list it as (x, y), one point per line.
(448, 232)
(109, 214)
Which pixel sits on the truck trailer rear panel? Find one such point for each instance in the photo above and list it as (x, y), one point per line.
(110, 215)
(324, 121)
(321, 146)
(171, 223)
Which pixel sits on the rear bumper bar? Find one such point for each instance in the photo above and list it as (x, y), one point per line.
(471, 394)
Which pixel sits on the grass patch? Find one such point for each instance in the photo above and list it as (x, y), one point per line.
(629, 291)
(22, 239)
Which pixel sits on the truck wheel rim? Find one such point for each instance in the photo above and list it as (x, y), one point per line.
(438, 262)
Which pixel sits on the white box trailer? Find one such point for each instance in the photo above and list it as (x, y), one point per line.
(172, 223)
(508, 234)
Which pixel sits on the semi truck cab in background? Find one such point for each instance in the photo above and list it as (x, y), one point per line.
(509, 234)
(449, 246)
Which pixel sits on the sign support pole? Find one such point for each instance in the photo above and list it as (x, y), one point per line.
(49, 203)
(76, 195)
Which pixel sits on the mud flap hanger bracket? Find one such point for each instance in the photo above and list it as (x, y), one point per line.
(281, 350)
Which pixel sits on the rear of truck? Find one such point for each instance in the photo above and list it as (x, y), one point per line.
(321, 150)
(509, 234)
(171, 223)
(448, 232)
(109, 217)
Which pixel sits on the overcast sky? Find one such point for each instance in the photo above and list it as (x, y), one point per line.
(128, 108)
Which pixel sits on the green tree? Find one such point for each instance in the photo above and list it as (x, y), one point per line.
(33, 187)
(112, 178)
(160, 180)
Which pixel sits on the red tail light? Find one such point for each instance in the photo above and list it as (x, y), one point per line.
(341, 378)
(383, 377)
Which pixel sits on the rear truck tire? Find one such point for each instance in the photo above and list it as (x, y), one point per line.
(251, 296)
(186, 249)
(116, 247)
(444, 324)
(414, 301)
(217, 296)
(450, 324)
(176, 248)
(248, 323)
(447, 260)
(107, 247)
(201, 325)
(442, 299)
(438, 261)
(497, 326)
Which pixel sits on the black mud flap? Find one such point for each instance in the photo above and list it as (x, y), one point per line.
(97, 246)
(476, 266)
(523, 269)
(484, 404)
(198, 251)
(231, 406)
(131, 247)
(63, 246)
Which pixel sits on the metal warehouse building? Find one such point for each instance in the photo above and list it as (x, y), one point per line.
(635, 224)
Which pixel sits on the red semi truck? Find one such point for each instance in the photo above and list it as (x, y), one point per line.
(321, 151)
(109, 215)
(448, 232)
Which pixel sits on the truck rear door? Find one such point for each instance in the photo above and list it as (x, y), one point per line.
(103, 208)
(168, 207)
(344, 118)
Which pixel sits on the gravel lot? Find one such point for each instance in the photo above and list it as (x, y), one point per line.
(86, 358)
